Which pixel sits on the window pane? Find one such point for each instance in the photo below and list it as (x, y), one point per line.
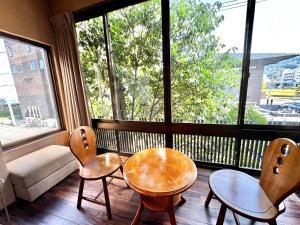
(206, 45)
(27, 105)
(273, 91)
(94, 63)
(137, 56)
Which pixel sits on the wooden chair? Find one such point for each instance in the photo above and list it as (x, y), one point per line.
(259, 200)
(92, 167)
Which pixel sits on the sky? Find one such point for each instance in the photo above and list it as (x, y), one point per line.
(276, 25)
(7, 86)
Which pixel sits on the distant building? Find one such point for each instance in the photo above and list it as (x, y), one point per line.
(29, 72)
(285, 78)
(257, 69)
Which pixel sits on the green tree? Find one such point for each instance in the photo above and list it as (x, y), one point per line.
(201, 76)
(93, 60)
(137, 49)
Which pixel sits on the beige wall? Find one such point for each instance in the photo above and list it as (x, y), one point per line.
(27, 18)
(58, 6)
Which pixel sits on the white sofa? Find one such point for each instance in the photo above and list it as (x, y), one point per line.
(37, 166)
(35, 173)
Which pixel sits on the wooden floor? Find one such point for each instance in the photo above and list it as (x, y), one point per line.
(58, 206)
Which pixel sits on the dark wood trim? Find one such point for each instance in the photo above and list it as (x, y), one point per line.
(101, 8)
(207, 165)
(25, 40)
(246, 60)
(165, 16)
(174, 128)
(199, 129)
(280, 128)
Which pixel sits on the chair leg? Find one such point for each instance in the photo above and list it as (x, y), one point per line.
(121, 169)
(272, 222)
(107, 203)
(221, 216)
(208, 198)
(138, 214)
(182, 201)
(80, 193)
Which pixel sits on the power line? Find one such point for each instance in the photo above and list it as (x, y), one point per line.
(234, 4)
(227, 2)
(241, 5)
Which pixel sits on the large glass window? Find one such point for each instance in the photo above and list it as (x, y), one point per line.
(137, 56)
(136, 43)
(94, 63)
(207, 39)
(27, 105)
(273, 91)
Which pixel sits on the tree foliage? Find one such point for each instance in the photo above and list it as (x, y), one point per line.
(201, 75)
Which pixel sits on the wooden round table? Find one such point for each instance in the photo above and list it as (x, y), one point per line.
(159, 175)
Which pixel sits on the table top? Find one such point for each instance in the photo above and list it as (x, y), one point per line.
(160, 172)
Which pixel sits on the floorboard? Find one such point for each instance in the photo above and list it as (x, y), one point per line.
(58, 206)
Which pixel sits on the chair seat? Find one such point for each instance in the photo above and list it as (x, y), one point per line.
(242, 194)
(103, 165)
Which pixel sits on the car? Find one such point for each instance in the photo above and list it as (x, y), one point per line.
(291, 105)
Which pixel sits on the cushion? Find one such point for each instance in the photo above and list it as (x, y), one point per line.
(34, 167)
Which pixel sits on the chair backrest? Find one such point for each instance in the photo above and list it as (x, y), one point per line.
(82, 143)
(280, 174)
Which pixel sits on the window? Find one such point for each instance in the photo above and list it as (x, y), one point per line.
(94, 64)
(137, 80)
(27, 105)
(137, 61)
(33, 65)
(273, 86)
(207, 41)
(9, 51)
(206, 46)
(28, 48)
(15, 68)
(41, 64)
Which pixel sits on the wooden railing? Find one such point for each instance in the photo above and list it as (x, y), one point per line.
(208, 145)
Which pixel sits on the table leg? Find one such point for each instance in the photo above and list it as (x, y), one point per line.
(171, 211)
(106, 196)
(221, 216)
(138, 214)
(208, 198)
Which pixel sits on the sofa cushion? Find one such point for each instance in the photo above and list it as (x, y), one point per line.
(32, 168)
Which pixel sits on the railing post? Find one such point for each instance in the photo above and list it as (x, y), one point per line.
(237, 152)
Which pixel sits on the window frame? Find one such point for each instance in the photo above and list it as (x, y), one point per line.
(54, 85)
(103, 8)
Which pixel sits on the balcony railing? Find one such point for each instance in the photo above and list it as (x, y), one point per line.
(208, 145)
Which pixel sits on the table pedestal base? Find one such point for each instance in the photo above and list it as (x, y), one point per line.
(159, 204)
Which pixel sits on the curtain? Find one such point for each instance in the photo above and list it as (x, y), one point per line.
(76, 112)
